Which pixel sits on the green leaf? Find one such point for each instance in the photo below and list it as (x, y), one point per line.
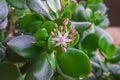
(90, 42)
(50, 45)
(42, 44)
(52, 60)
(115, 70)
(20, 12)
(81, 26)
(2, 51)
(71, 7)
(80, 14)
(34, 26)
(41, 34)
(39, 7)
(48, 25)
(67, 14)
(29, 76)
(94, 1)
(74, 63)
(89, 13)
(106, 44)
(102, 8)
(30, 23)
(41, 67)
(3, 24)
(21, 46)
(96, 69)
(116, 57)
(58, 4)
(21, 4)
(105, 23)
(52, 5)
(101, 33)
(3, 10)
(8, 71)
(110, 50)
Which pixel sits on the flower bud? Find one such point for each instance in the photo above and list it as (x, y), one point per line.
(66, 22)
(60, 28)
(64, 50)
(52, 34)
(74, 1)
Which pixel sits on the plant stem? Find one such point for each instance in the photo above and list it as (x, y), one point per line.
(2, 35)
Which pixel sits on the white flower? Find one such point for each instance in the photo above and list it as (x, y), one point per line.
(62, 40)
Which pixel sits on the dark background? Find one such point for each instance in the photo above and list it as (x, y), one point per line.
(113, 11)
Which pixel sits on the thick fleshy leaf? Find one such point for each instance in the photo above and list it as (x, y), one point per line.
(67, 14)
(81, 26)
(115, 69)
(21, 4)
(3, 24)
(41, 67)
(41, 34)
(50, 45)
(101, 7)
(74, 63)
(3, 10)
(48, 25)
(8, 71)
(21, 46)
(30, 23)
(58, 4)
(39, 7)
(105, 23)
(80, 14)
(116, 57)
(101, 33)
(72, 7)
(98, 60)
(41, 44)
(89, 13)
(96, 69)
(21, 12)
(2, 51)
(90, 42)
(94, 1)
(52, 60)
(29, 76)
(52, 5)
(106, 44)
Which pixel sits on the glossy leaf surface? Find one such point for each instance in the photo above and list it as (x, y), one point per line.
(74, 63)
(8, 71)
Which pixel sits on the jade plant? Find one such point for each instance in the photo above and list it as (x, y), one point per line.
(56, 40)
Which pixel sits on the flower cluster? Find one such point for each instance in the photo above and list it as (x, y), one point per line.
(63, 35)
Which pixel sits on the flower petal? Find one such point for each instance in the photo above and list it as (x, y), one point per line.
(68, 40)
(59, 34)
(66, 35)
(56, 39)
(64, 44)
(59, 43)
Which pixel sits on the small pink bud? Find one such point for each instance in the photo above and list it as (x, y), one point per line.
(66, 22)
(73, 32)
(64, 50)
(60, 28)
(53, 42)
(74, 1)
(52, 34)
